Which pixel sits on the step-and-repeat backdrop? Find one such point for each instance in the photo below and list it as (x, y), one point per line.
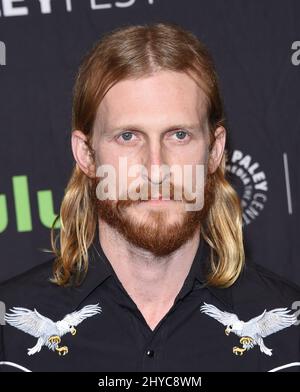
(256, 48)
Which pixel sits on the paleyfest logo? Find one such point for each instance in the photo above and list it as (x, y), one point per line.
(22, 7)
(250, 181)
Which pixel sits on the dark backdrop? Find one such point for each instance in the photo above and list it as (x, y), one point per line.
(256, 47)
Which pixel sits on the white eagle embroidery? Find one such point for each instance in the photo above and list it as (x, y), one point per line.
(47, 331)
(253, 331)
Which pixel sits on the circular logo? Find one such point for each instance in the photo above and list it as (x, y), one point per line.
(250, 182)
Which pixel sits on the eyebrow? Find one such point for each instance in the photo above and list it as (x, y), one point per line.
(136, 127)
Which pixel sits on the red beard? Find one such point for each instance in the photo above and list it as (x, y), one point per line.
(156, 235)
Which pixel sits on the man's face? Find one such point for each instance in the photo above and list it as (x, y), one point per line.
(156, 120)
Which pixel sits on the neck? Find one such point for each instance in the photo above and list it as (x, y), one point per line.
(152, 282)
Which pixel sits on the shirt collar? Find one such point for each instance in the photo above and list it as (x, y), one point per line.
(100, 269)
(197, 275)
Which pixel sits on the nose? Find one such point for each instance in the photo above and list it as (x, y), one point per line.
(156, 162)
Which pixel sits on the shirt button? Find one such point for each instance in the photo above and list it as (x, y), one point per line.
(150, 353)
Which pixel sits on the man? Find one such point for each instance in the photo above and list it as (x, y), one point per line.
(140, 281)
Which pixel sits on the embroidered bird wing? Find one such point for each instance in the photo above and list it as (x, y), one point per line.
(29, 321)
(77, 317)
(272, 321)
(224, 318)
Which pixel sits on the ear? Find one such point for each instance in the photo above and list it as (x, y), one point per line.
(82, 153)
(217, 149)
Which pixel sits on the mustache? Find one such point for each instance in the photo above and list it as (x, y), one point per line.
(136, 194)
(154, 192)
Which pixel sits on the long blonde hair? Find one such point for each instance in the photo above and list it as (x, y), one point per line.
(133, 52)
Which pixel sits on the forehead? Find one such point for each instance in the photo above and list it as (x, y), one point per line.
(159, 99)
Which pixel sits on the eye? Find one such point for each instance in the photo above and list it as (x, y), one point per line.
(126, 137)
(181, 135)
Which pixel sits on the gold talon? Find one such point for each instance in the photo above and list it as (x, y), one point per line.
(238, 350)
(246, 340)
(62, 350)
(54, 339)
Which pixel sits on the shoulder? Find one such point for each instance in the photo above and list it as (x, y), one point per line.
(259, 284)
(39, 273)
(34, 289)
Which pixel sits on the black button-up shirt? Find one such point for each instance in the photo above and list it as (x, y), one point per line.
(118, 338)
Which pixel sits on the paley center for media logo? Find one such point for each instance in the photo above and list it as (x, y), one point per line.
(250, 181)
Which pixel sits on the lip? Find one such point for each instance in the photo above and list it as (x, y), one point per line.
(156, 201)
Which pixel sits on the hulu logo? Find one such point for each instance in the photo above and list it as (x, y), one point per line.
(23, 207)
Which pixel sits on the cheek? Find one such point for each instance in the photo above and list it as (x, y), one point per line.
(106, 154)
(193, 164)
(190, 155)
(109, 152)
(118, 165)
